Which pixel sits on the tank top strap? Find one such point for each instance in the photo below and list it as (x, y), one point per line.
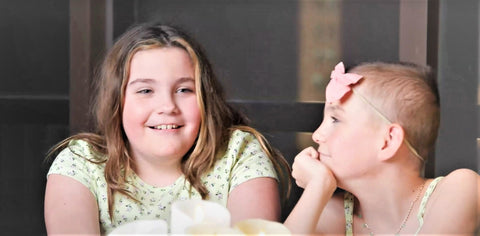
(348, 201)
(423, 204)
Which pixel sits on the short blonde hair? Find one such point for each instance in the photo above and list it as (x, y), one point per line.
(406, 94)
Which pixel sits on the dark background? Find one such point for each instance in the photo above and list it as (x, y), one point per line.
(254, 48)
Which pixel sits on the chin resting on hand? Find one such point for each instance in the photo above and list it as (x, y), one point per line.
(307, 169)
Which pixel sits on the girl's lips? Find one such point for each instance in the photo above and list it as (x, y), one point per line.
(165, 127)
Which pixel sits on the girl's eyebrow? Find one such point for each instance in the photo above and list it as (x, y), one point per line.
(185, 79)
(151, 81)
(141, 80)
(334, 108)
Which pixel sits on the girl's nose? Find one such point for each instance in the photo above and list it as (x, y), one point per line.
(166, 104)
(318, 136)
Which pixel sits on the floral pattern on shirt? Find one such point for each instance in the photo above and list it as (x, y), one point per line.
(243, 160)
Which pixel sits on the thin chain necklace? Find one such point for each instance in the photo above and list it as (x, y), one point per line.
(404, 222)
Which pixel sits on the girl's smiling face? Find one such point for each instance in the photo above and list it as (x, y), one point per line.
(161, 116)
(348, 137)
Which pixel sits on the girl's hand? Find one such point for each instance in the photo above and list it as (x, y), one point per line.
(319, 183)
(307, 169)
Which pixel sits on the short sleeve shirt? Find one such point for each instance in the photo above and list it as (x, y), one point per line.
(243, 160)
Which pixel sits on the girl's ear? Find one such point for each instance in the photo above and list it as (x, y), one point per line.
(392, 141)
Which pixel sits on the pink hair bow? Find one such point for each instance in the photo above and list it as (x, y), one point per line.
(340, 83)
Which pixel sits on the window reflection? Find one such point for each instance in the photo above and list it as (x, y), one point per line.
(319, 50)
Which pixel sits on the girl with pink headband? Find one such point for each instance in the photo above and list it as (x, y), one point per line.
(380, 125)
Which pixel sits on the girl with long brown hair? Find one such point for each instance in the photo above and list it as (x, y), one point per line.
(164, 132)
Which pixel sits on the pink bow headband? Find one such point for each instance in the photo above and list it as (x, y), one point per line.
(340, 84)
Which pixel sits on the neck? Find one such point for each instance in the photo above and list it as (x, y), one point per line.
(159, 173)
(385, 200)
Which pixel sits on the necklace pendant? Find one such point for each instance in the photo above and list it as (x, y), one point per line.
(371, 234)
(364, 225)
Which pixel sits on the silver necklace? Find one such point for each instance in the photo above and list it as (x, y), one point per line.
(404, 222)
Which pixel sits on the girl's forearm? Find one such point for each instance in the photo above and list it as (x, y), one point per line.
(305, 215)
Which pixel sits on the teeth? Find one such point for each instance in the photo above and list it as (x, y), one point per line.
(163, 127)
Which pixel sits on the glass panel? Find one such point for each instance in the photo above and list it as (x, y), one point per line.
(252, 45)
(458, 83)
(319, 48)
(277, 50)
(34, 59)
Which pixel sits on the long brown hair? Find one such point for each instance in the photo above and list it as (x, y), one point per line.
(218, 118)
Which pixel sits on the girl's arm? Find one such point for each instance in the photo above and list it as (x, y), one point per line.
(70, 208)
(255, 198)
(318, 183)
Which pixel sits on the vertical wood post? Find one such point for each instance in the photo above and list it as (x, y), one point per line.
(89, 39)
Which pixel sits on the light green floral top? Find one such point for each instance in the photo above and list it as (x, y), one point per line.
(243, 160)
(349, 200)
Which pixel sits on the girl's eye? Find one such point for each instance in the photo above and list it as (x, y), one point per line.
(334, 119)
(184, 90)
(144, 91)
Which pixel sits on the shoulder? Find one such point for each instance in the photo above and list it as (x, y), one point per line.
(463, 183)
(461, 174)
(84, 149)
(78, 151)
(80, 162)
(243, 144)
(455, 203)
(244, 159)
(460, 182)
(240, 136)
